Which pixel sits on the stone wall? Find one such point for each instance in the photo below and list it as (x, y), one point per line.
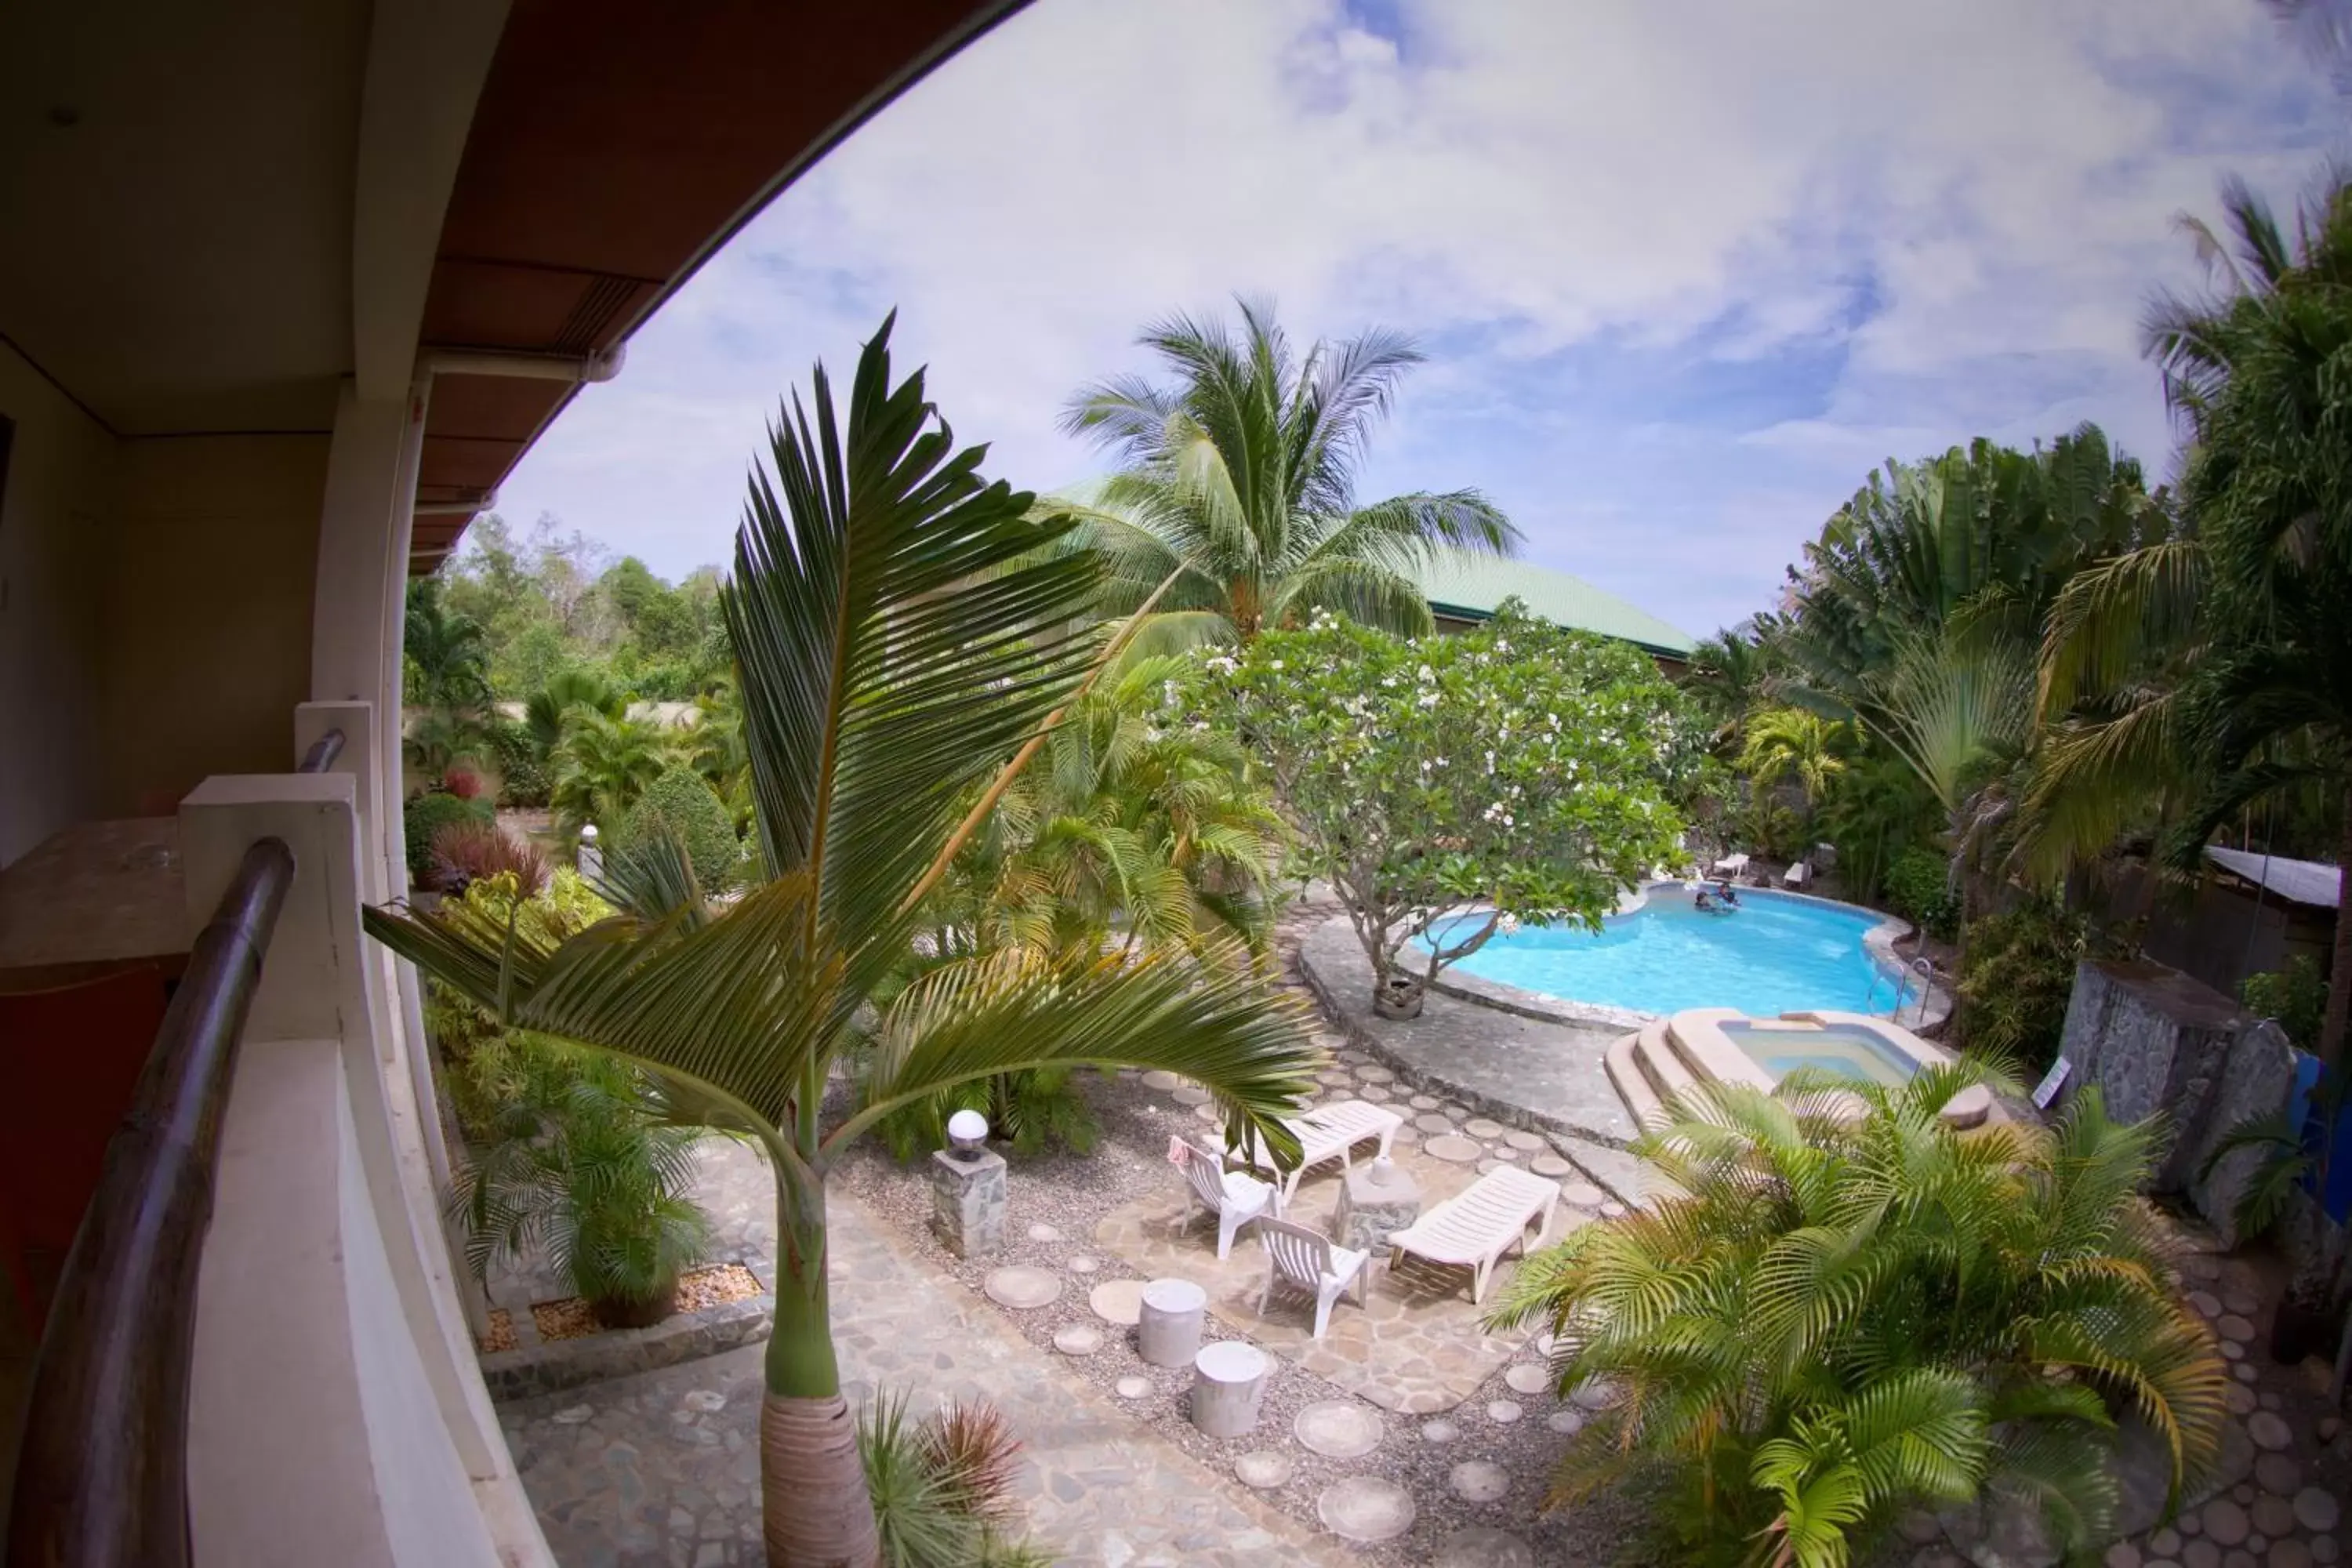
(2154, 1040)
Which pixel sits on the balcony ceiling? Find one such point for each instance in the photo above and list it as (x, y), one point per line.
(176, 187)
(175, 198)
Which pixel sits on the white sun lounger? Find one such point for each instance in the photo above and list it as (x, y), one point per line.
(1327, 1133)
(1475, 1226)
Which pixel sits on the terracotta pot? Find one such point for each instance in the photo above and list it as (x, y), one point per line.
(625, 1312)
(1397, 998)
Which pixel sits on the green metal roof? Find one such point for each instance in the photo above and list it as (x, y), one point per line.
(1468, 587)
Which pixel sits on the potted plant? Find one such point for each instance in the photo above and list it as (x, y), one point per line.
(577, 1162)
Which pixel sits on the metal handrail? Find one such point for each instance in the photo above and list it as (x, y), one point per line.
(322, 753)
(102, 1479)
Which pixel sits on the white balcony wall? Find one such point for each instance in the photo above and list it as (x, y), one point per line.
(335, 1413)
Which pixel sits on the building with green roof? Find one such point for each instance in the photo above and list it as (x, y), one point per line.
(1463, 589)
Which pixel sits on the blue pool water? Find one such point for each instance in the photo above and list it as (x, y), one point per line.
(1773, 955)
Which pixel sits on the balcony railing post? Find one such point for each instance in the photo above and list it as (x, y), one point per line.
(102, 1479)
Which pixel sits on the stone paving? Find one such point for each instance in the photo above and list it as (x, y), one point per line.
(1534, 1073)
(662, 1468)
(1416, 1345)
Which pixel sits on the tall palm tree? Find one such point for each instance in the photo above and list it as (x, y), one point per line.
(893, 648)
(1847, 1307)
(2212, 669)
(1240, 480)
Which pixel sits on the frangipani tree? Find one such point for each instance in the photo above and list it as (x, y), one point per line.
(901, 628)
(1519, 770)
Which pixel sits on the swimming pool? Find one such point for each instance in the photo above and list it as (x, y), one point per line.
(1773, 955)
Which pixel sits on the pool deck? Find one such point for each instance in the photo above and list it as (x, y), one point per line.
(1541, 1074)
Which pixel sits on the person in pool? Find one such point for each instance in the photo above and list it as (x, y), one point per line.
(1724, 890)
(1704, 905)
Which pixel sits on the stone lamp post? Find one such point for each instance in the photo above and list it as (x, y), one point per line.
(968, 1188)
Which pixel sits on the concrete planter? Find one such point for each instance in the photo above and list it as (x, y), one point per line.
(547, 1366)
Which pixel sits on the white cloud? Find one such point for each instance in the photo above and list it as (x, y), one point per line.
(1934, 220)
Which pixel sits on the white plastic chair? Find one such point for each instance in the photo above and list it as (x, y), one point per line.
(1235, 1199)
(1309, 1260)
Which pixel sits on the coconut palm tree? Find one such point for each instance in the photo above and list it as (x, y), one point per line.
(900, 628)
(1240, 480)
(1845, 1306)
(2212, 671)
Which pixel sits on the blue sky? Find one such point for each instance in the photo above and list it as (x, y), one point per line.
(1685, 274)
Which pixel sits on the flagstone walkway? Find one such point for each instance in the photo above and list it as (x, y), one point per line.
(661, 1470)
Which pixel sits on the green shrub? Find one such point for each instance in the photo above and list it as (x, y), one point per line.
(428, 815)
(1826, 1320)
(685, 801)
(577, 1162)
(944, 1488)
(2296, 996)
(1919, 889)
(2016, 978)
(523, 775)
(1033, 1112)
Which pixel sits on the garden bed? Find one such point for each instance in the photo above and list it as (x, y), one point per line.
(572, 1318)
(729, 1305)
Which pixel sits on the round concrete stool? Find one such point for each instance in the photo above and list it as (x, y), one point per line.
(1168, 1326)
(1228, 1381)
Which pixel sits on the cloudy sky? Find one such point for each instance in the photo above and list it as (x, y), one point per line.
(1683, 272)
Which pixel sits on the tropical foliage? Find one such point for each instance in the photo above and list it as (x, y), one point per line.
(1236, 510)
(550, 604)
(901, 627)
(424, 818)
(1132, 825)
(1838, 1315)
(604, 766)
(944, 1486)
(1792, 744)
(576, 1160)
(1518, 771)
(2211, 672)
(2018, 978)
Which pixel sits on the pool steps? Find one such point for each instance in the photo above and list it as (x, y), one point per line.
(1659, 1060)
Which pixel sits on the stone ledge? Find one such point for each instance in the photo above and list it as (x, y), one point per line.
(550, 1366)
(1329, 958)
